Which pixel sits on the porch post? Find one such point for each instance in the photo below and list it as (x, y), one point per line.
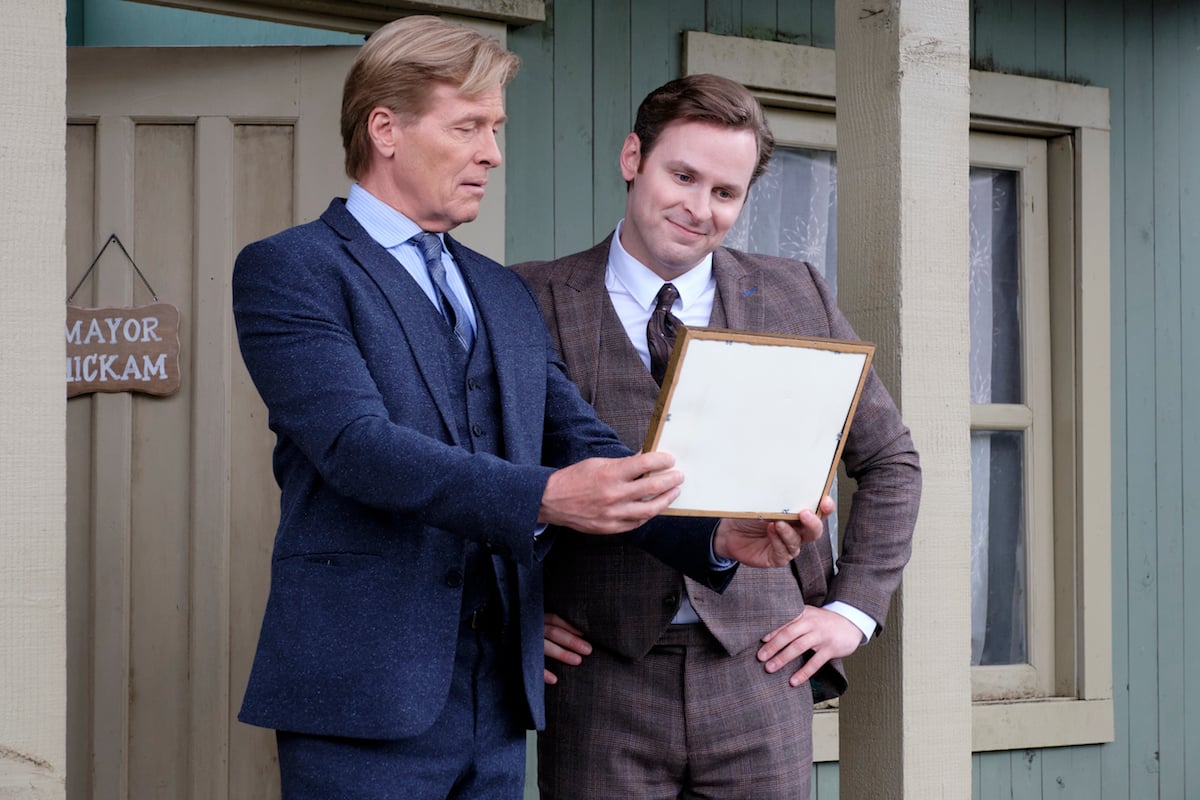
(33, 606)
(902, 128)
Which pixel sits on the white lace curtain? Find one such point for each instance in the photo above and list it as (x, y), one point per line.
(998, 597)
(792, 212)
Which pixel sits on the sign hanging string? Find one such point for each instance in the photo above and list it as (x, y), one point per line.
(112, 238)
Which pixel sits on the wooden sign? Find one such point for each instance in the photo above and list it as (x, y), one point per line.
(123, 349)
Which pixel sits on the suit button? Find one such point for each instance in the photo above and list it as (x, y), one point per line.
(454, 579)
(471, 384)
(478, 431)
(671, 602)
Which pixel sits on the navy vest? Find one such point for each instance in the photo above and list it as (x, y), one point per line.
(474, 396)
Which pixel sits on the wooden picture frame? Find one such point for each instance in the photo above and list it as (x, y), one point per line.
(756, 422)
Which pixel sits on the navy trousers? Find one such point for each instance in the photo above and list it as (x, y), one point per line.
(475, 750)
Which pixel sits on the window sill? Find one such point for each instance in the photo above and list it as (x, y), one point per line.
(1008, 725)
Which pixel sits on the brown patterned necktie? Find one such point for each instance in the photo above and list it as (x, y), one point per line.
(661, 331)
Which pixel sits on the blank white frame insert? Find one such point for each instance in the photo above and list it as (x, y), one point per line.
(756, 422)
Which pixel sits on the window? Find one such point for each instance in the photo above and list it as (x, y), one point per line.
(792, 212)
(1012, 527)
(1039, 383)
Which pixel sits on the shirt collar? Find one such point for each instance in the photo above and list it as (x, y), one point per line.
(643, 284)
(384, 224)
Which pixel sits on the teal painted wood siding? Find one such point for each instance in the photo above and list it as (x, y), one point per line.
(118, 23)
(1148, 55)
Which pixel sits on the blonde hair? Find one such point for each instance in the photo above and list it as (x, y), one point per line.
(402, 61)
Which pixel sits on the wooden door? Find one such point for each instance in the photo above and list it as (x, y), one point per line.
(186, 154)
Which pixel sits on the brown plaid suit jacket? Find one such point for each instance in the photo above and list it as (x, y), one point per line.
(623, 598)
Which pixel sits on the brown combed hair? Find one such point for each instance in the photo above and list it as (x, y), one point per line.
(704, 98)
(399, 64)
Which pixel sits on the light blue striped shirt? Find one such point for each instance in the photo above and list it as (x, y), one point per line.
(394, 232)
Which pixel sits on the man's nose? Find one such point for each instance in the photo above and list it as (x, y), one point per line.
(699, 205)
(489, 152)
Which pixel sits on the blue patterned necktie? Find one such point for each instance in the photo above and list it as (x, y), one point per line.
(431, 249)
(661, 331)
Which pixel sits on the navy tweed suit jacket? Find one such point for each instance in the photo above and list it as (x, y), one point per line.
(377, 497)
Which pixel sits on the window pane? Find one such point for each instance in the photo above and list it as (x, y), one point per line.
(792, 211)
(998, 580)
(995, 287)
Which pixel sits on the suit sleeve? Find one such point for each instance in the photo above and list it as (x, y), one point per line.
(295, 330)
(879, 456)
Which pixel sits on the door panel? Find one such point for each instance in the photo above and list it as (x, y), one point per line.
(187, 155)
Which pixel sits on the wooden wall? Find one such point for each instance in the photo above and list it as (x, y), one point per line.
(171, 506)
(1148, 55)
(585, 71)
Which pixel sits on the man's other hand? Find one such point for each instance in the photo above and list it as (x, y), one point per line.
(826, 633)
(563, 642)
(767, 543)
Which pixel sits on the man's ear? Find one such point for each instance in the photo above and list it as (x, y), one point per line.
(381, 127)
(631, 157)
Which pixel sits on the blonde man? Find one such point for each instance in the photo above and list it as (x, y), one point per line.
(664, 690)
(426, 436)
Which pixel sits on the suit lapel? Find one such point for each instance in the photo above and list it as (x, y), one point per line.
(738, 291)
(402, 293)
(592, 339)
(580, 301)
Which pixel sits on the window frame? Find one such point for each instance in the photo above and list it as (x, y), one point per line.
(1033, 417)
(1073, 121)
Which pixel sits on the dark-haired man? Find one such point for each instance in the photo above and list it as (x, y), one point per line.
(672, 691)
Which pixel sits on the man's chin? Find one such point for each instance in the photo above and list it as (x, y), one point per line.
(465, 215)
(680, 262)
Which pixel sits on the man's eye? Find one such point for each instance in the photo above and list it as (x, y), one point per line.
(683, 177)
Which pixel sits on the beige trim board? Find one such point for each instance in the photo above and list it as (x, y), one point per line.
(772, 66)
(1054, 722)
(810, 71)
(20, 780)
(1093, 328)
(107, 78)
(361, 16)
(825, 735)
(1012, 725)
(33, 562)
